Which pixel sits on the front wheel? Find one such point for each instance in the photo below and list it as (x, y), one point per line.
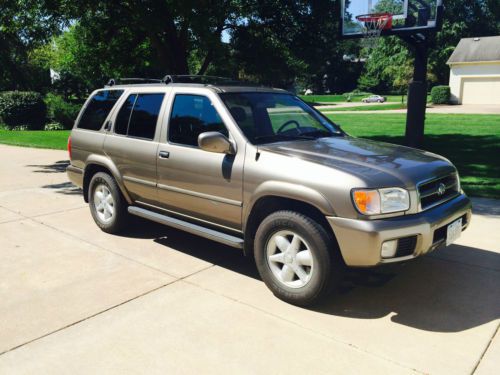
(296, 258)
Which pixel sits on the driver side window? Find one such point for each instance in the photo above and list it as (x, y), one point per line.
(192, 115)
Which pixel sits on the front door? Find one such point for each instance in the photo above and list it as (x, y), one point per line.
(193, 182)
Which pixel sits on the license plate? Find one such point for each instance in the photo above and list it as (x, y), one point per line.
(453, 231)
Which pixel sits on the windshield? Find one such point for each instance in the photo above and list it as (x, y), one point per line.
(274, 117)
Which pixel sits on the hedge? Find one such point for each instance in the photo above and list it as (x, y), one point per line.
(440, 94)
(61, 111)
(25, 109)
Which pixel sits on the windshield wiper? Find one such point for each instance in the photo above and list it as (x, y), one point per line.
(318, 134)
(284, 137)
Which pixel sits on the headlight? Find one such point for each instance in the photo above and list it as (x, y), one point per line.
(381, 201)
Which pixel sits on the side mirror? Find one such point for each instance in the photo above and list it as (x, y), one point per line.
(215, 142)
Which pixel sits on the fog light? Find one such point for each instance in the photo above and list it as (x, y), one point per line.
(389, 249)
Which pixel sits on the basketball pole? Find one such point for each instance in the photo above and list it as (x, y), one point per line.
(417, 94)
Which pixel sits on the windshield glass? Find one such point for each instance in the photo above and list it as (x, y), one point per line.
(274, 117)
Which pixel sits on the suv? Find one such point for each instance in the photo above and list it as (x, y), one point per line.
(260, 170)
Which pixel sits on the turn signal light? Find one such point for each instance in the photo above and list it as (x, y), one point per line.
(367, 201)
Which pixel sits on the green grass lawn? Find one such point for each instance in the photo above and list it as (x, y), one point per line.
(368, 107)
(471, 142)
(55, 139)
(341, 98)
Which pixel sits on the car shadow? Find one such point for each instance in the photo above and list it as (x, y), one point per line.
(212, 252)
(434, 293)
(66, 188)
(452, 290)
(56, 167)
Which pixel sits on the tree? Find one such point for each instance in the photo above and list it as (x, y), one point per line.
(24, 25)
(462, 19)
(172, 31)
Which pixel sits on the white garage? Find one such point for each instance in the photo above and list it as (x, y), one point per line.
(475, 71)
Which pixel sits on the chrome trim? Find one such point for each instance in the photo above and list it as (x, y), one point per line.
(139, 181)
(190, 217)
(198, 230)
(201, 195)
(419, 208)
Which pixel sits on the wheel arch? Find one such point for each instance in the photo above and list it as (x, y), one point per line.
(267, 204)
(98, 164)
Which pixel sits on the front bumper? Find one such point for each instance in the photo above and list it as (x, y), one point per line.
(360, 241)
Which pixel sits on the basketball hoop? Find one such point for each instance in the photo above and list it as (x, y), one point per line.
(373, 25)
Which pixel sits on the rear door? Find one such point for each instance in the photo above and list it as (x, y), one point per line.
(133, 143)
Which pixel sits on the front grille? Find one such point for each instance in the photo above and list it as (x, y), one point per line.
(438, 191)
(406, 246)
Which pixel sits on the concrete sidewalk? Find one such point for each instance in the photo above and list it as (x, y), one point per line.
(77, 300)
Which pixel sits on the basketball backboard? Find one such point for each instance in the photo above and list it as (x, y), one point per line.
(408, 16)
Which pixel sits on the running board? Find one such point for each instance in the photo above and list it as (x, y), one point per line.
(198, 230)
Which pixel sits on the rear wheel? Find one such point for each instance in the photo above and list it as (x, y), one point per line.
(107, 205)
(296, 258)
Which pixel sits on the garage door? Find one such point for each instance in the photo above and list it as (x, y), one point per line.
(481, 91)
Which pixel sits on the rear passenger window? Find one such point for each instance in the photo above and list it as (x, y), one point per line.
(123, 118)
(139, 115)
(191, 116)
(98, 109)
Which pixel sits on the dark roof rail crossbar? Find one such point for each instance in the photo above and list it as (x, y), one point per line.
(200, 79)
(183, 78)
(115, 81)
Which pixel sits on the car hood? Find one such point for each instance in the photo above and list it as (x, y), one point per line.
(377, 163)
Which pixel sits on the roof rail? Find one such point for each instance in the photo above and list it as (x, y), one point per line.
(115, 81)
(183, 78)
(207, 80)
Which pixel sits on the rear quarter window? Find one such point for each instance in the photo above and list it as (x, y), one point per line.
(98, 109)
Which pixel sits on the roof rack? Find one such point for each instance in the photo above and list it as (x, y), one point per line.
(115, 81)
(206, 80)
(168, 79)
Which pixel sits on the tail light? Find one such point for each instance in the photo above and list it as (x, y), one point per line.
(69, 147)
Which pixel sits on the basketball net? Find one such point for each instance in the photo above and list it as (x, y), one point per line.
(373, 26)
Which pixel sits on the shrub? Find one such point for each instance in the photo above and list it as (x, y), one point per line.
(440, 94)
(61, 111)
(22, 109)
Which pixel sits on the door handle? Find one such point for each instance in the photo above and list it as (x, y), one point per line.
(164, 154)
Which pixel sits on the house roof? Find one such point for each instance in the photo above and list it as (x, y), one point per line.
(481, 49)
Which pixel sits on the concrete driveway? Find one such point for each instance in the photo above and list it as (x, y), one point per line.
(76, 300)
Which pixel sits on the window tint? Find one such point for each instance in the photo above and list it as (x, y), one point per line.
(121, 123)
(191, 116)
(138, 115)
(98, 109)
(145, 115)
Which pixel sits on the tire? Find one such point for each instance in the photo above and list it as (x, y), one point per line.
(110, 214)
(321, 269)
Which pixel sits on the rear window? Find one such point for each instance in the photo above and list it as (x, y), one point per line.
(98, 109)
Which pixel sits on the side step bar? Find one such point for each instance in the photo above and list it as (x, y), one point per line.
(198, 230)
